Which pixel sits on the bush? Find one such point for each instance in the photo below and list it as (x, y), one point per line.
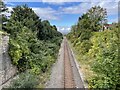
(25, 80)
(28, 49)
(106, 62)
(85, 35)
(102, 51)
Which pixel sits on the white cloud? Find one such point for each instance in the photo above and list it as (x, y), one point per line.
(79, 9)
(22, 0)
(57, 1)
(10, 9)
(69, 29)
(104, 0)
(52, 14)
(64, 29)
(61, 0)
(46, 13)
(112, 7)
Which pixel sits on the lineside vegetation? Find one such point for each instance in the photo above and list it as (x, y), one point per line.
(97, 49)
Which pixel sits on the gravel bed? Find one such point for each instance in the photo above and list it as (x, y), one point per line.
(57, 73)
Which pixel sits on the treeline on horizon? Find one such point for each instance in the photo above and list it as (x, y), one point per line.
(34, 45)
(97, 50)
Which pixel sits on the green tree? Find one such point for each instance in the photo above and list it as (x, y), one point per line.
(30, 40)
(22, 16)
(48, 31)
(101, 50)
(97, 16)
(89, 22)
(54, 27)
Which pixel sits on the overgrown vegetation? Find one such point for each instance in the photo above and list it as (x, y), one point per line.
(34, 44)
(25, 80)
(97, 50)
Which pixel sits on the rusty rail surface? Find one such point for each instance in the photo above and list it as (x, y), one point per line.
(68, 73)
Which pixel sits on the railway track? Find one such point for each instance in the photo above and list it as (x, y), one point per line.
(68, 73)
(65, 73)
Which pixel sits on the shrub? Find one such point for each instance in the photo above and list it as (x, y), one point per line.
(25, 80)
(106, 62)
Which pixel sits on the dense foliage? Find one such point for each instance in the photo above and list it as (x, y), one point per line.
(99, 50)
(106, 63)
(25, 80)
(34, 44)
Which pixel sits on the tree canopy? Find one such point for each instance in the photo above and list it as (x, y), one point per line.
(33, 43)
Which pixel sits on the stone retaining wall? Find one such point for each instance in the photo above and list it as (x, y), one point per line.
(7, 70)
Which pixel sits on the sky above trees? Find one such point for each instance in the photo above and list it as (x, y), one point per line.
(65, 13)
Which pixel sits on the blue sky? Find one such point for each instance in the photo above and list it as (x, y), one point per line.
(65, 14)
(62, 19)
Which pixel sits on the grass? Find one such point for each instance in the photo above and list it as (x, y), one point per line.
(30, 80)
(44, 77)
